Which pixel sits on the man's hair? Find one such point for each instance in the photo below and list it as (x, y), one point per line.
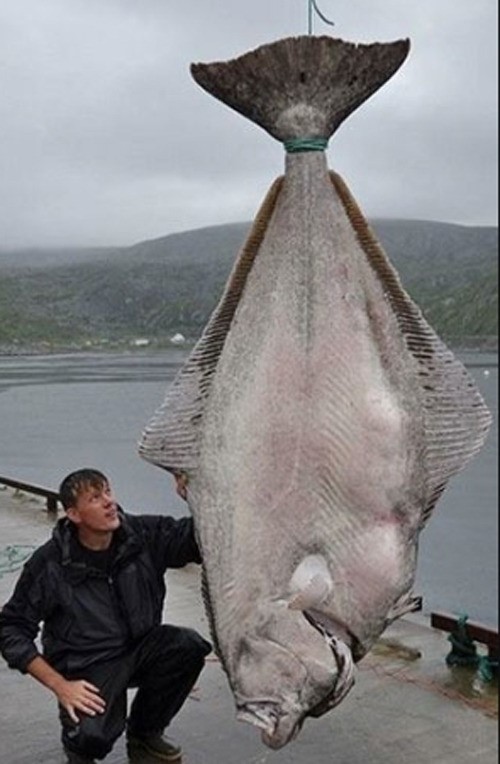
(76, 482)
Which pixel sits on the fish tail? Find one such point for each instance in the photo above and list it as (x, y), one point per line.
(302, 88)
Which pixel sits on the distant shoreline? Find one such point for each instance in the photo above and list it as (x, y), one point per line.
(113, 348)
(467, 345)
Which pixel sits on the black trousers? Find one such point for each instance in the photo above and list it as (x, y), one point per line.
(164, 667)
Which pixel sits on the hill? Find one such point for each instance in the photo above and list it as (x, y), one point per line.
(66, 298)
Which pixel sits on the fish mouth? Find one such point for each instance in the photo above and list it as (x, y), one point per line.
(263, 714)
(345, 669)
(278, 727)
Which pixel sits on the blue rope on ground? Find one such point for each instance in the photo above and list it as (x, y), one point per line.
(13, 557)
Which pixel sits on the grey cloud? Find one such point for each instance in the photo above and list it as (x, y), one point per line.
(107, 139)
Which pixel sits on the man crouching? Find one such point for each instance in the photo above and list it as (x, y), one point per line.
(98, 587)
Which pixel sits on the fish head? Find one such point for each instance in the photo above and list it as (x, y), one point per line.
(279, 683)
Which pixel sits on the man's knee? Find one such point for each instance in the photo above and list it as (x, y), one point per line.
(87, 742)
(186, 643)
(195, 645)
(94, 736)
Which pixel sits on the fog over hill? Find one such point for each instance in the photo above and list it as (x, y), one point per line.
(153, 289)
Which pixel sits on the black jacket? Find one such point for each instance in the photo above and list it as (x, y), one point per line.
(90, 615)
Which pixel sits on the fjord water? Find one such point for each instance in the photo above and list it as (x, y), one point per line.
(62, 412)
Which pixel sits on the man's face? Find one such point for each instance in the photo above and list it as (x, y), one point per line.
(95, 510)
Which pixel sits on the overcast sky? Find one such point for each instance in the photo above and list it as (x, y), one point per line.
(105, 139)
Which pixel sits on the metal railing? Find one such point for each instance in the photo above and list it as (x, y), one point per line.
(478, 632)
(51, 497)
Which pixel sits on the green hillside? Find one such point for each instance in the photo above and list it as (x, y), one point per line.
(66, 298)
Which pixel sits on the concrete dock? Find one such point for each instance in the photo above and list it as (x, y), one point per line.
(407, 706)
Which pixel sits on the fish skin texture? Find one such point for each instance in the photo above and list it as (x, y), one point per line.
(318, 419)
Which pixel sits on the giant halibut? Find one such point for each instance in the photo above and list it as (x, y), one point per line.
(319, 417)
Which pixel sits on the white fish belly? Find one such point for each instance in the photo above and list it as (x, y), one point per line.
(312, 440)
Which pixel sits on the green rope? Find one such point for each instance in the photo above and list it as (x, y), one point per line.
(463, 650)
(13, 557)
(298, 145)
(464, 653)
(487, 668)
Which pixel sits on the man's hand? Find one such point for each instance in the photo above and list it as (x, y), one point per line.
(181, 481)
(73, 695)
(80, 695)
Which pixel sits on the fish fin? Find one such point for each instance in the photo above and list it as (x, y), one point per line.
(312, 594)
(456, 417)
(170, 439)
(207, 602)
(408, 603)
(311, 583)
(302, 87)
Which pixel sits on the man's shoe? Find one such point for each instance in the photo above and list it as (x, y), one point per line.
(77, 758)
(154, 745)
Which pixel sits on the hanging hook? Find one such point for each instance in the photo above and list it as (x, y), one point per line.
(313, 6)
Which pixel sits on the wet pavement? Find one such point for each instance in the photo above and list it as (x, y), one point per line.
(407, 706)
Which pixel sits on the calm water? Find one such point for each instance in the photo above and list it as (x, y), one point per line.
(59, 413)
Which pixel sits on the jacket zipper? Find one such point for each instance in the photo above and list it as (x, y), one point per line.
(117, 603)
